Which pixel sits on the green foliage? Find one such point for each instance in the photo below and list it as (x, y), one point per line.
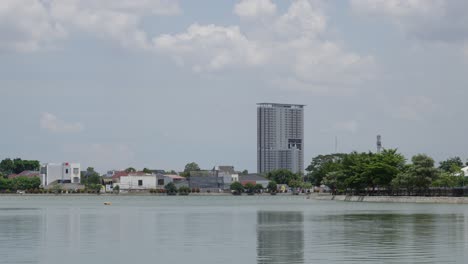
(451, 165)
(249, 187)
(244, 172)
(192, 166)
(307, 185)
(170, 188)
(90, 177)
(237, 187)
(322, 165)
(447, 180)
(130, 169)
(295, 183)
(282, 176)
(20, 183)
(272, 186)
(8, 166)
(184, 190)
(116, 188)
(146, 170)
(258, 188)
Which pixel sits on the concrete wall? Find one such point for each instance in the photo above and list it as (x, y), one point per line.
(131, 182)
(52, 172)
(393, 199)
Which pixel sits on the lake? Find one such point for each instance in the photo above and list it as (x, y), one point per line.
(227, 229)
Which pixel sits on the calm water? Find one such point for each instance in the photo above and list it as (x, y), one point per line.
(228, 230)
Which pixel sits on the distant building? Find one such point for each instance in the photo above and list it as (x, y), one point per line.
(280, 137)
(219, 178)
(60, 173)
(25, 173)
(138, 181)
(254, 179)
(465, 171)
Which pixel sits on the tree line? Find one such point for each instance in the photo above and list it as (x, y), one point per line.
(387, 171)
(15, 166)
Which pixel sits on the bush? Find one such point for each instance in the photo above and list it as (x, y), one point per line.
(197, 190)
(171, 188)
(272, 186)
(237, 188)
(184, 190)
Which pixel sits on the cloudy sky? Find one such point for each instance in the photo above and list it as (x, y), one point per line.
(159, 83)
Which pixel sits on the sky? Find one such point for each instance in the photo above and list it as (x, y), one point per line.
(160, 83)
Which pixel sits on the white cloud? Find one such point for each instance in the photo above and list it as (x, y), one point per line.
(51, 123)
(28, 25)
(211, 47)
(291, 49)
(255, 8)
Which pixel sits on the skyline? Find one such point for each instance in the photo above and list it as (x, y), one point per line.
(163, 83)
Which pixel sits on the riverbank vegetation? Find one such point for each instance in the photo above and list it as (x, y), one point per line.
(387, 172)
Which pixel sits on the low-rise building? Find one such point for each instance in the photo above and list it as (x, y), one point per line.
(254, 179)
(219, 178)
(60, 173)
(137, 181)
(25, 173)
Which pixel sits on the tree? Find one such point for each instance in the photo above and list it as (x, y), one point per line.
(272, 186)
(184, 190)
(170, 188)
(334, 180)
(446, 179)
(7, 166)
(321, 165)
(451, 165)
(422, 171)
(130, 169)
(244, 172)
(146, 170)
(258, 188)
(237, 187)
(249, 187)
(295, 183)
(192, 166)
(90, 177)
(419, 175)
(282, 176)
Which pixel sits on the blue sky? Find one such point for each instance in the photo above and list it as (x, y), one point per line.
(159, 83)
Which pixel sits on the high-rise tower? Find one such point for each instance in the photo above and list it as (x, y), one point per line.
(280, 137)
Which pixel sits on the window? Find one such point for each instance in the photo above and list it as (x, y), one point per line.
(66, 171)
(76, 171)
(161, 182)
(140, 182)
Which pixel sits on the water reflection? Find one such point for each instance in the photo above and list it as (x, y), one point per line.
(414, 238)
(280, 237)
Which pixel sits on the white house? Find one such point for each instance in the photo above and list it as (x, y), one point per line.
(60, 173)
(465, 171)
(138, 181)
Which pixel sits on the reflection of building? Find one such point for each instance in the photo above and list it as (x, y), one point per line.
(60, 173)
(280, 137)
(280, 237)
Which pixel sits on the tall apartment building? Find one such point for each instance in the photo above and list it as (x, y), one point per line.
(280, 137)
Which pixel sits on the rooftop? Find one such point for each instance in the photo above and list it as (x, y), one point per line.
(280, 105)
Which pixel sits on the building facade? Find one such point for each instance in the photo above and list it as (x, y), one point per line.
(280, 137)
(60, 173)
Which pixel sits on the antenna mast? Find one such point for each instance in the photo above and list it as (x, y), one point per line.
(379, 144)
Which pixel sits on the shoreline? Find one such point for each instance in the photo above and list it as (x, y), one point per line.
(391, 199)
